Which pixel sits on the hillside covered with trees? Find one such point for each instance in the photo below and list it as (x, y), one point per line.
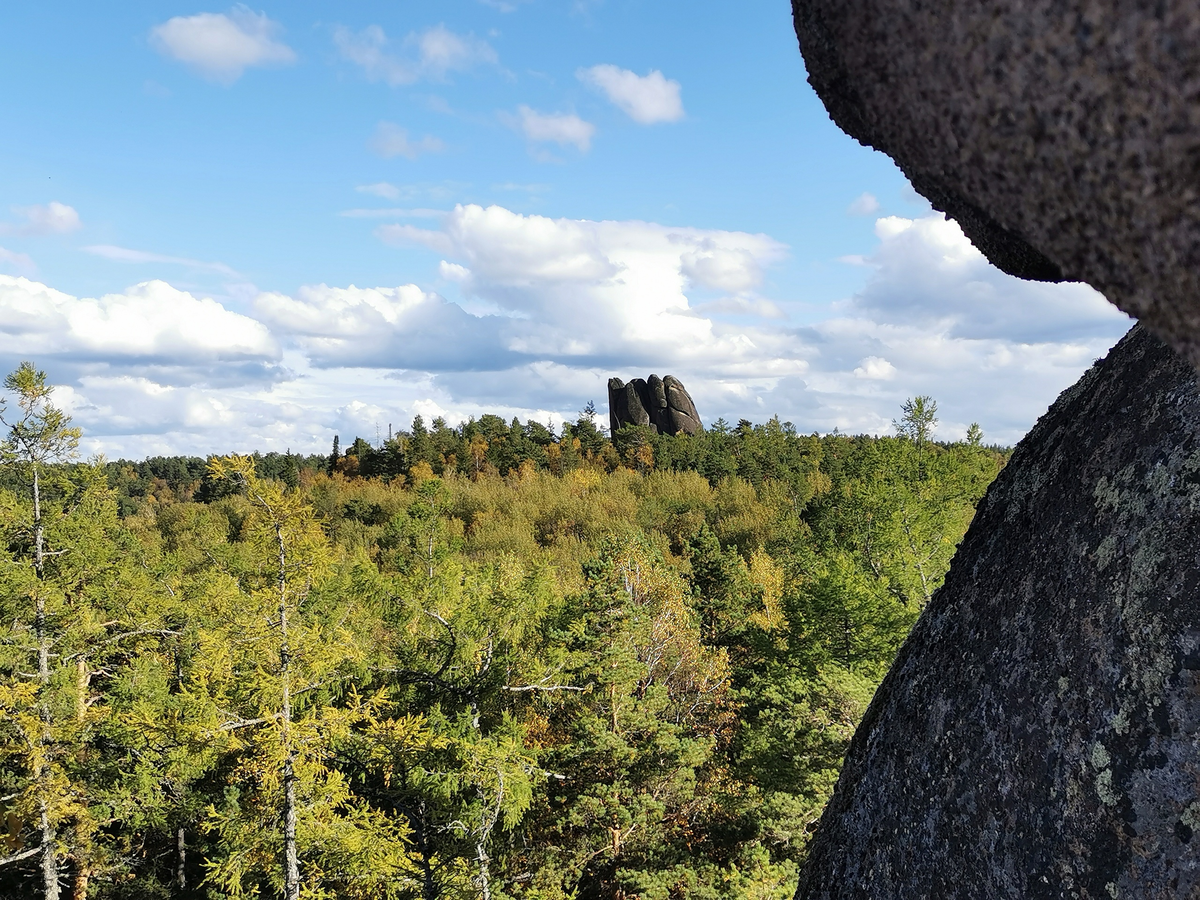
(485, 661)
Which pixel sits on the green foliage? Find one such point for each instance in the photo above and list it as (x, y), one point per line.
(482, 661)
(918, 420)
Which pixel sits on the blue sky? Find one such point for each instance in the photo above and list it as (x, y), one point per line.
(526, 197)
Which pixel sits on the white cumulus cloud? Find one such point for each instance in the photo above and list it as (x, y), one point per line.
(396, 328)
(929, 274)
(574, 289)
(644, 98)
(431, 55)
(49, 218)
(865, 204)
(875, 368)
(557, 128)
(390, 140)
(151, 322)
(221, 46)
(550, 309)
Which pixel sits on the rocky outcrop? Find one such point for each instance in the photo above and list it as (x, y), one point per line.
(661, 403)
(1062, 135)
(1037, 735)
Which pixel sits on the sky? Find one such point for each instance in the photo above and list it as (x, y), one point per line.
(234, 228)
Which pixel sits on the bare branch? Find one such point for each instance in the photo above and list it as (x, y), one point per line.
(17, 857)
(139, 632)
(245, 723)
(542, 687)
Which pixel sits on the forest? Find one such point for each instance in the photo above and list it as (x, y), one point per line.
(493, 660)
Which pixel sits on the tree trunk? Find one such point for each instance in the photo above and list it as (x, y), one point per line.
(181, 859)
(485, 880)
(50, 887)
(82, 878)
(291, 857)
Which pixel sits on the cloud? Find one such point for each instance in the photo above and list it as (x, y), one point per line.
(875, 368)
(929, 275)
(49, 218)
(558, 128)
(864, 204)
(724, 267)
(550, 309)
(222, 46)
(380, 189)
(128, 255)
(150, 323)
(578, 291)
(936, 318)
(429, 55)
(644, 98)
(22, 262)
(391, 140)
(759, 307)
(396, 328)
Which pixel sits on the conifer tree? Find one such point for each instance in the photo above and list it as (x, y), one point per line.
(286, 671)
(75, 605)
(335, 454)
(38, 435)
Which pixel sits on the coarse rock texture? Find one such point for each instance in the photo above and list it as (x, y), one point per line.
(1039, 733)
(660, 403)
(1062, 135)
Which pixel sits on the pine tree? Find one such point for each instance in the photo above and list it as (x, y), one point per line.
(286, 667)
(38, 436)
(77, 602)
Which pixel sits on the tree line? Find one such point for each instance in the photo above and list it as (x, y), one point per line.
(481, 661)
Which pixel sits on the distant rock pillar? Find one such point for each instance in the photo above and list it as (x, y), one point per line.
(683, 415)
(659, 403)
(637, 403)
(617, 412)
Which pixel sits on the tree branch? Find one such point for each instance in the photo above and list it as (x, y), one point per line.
(17, 857)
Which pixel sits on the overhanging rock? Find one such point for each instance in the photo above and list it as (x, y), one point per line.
(1039, 733)
(1062, 135)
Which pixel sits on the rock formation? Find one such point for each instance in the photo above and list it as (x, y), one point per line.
(1062, 135)
(661, 403)
(1037, 735)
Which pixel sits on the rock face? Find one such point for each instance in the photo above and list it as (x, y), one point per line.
(1038, 733)
(662, 403)
(1062, 135)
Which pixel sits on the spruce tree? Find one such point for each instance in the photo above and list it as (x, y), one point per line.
(336, 454)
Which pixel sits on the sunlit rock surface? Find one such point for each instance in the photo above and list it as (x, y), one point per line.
(1039, 733)
(661, 403)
